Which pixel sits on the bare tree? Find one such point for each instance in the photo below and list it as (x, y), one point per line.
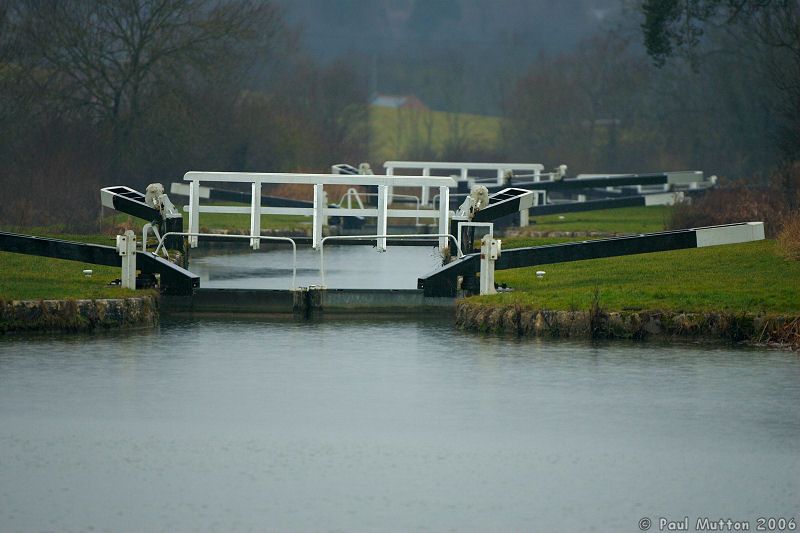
(110, 58)
(673, 27)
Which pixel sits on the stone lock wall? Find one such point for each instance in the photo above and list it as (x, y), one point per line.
(78, 315)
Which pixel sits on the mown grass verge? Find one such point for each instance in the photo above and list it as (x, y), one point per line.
(744, 292)
(750, 277)
(27, 277)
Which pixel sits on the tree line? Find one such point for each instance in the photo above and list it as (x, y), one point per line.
(716, 86)
(103, 92)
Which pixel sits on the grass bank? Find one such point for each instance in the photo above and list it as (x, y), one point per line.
(740, 292)
(749, 277)
(27, 277)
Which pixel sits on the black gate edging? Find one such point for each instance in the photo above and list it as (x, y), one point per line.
(174, 279)
(443, 282)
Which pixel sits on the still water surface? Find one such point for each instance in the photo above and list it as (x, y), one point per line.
(346, 267)
(378, 425)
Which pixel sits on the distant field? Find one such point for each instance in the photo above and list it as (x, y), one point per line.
(396, 131)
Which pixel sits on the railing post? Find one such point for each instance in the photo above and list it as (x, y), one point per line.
(500, 175)
(390, 188)
(319, 215)
(425, 192)
(382, 215)
(444, 215)
(255, 215)
(194, 211)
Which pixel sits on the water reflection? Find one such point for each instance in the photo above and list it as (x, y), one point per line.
(346, 267)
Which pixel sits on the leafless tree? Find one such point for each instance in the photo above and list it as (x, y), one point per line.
(110, 58)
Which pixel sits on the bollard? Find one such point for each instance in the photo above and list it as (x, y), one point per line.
(490, 252)
(126, 247)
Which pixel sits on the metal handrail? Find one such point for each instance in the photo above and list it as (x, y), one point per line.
(262, 238)
(371, 237)
(467, 223)
(352, 192)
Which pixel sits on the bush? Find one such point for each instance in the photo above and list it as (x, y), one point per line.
(741, 201)
(789, 237)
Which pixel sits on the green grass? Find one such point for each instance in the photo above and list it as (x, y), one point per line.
(748, 277)
(221, 221)
(27, 277)
(623, 220)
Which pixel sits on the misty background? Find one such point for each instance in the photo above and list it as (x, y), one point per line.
(96, 93)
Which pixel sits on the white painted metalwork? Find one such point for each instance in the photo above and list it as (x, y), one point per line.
(444, 236)
(161, 247)
(664, 198)
(444, 215)
(466, 223)
(462, 168)
(730, 234)
(126, 247)
(684, 179)
(491, 249)
(320, 211)
(146, 229)
(353, 193)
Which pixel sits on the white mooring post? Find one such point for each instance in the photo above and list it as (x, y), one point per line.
(126, 247)
(490, 252)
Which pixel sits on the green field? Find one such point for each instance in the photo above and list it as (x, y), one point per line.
(232, 222)
(398, 133)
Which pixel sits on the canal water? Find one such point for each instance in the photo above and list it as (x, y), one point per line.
(244, 424)
(346, 267)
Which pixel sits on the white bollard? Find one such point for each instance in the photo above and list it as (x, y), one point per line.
(490, 252)
(126, 247)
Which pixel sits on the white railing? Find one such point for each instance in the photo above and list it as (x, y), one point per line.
(320, 211)
(462, 168)
(226, 236)
(440, 236)
(353, 193)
